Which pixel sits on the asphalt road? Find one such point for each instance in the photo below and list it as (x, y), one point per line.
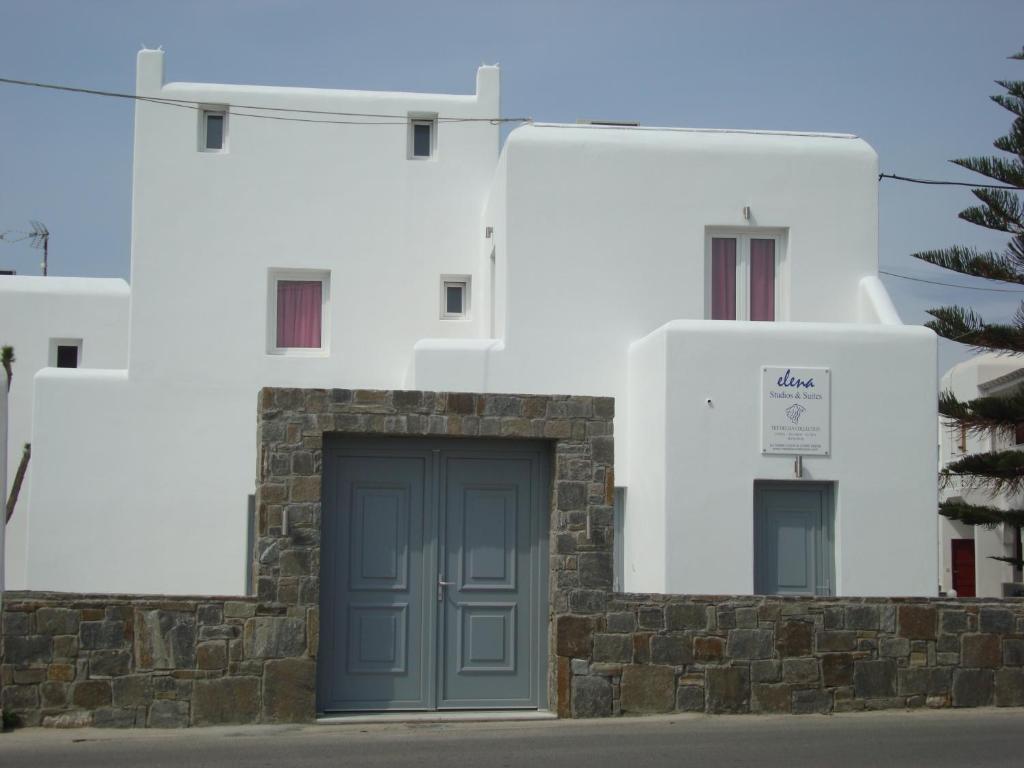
(934, 739)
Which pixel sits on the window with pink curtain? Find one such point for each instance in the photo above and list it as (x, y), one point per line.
(299, 313)
(723, 278)
(762, 279)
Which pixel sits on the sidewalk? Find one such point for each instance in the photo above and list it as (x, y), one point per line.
(985, 737)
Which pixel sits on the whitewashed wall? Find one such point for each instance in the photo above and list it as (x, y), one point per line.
(880, 459)
(34, 310)
(167, 450)
(599, 241)
(603, 242)
(604, 237)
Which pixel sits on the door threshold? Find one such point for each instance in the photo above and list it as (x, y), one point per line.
(450, 716)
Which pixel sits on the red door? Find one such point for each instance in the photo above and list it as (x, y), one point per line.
(963, 567)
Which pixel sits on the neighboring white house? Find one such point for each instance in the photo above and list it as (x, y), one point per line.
(721, 285)
(966, 552)
(59, 323)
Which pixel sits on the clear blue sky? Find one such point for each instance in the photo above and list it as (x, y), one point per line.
(911, 76)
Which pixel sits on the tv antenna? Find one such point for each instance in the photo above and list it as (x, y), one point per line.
(38, 237)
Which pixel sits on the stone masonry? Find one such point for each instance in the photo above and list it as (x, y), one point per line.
(292, 425)
(118, 661)
(168, 661)
(645, 654)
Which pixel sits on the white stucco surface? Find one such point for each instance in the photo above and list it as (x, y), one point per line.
(161, 456)
(33, 311)
(604, 242)
(710, 455)
(586, 249)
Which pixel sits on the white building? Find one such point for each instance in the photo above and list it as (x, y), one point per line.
(56, 323)
(577, 259)
(966, 552)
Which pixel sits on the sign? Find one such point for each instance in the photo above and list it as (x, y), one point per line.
(796, 411)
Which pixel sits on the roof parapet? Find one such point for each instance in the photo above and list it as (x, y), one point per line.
(149, 72)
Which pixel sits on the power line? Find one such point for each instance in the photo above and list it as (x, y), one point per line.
(951, 285)
(933, 182)
(192, 104)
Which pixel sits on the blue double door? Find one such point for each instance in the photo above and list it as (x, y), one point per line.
(433, 592)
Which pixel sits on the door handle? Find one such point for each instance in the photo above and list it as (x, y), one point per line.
(441, 584)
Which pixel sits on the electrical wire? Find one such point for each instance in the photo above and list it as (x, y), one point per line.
(951, 285)
(192, 104)
(933, 182)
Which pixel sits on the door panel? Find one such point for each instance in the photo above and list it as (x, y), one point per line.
(793, 539)
(486, 619)
(379, 539)
(487, 558)
(377, 638)
(374, 584)
(791, 544)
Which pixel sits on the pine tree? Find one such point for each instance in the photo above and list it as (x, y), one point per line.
(1000, 209)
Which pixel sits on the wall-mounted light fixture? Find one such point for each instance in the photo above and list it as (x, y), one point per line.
(746, 213)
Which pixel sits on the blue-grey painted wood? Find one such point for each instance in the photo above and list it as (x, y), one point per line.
(373, 650)
(400, 516)
(487, 618)
(793, 539)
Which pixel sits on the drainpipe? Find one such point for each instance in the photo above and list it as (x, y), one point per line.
(5, 384)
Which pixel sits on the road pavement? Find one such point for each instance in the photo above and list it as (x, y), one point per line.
(988, 737)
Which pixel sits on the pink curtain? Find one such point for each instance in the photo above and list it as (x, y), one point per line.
(723, 278)
(762, 279)
(298, 313)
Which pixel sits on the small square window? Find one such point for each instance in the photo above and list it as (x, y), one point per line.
(422, 137)
(297, 312)
(213, 130)
(65, 353)
(454, 297)
(67, 356)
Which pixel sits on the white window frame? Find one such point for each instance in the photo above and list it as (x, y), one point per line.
(743, 238)
(421, 118)
(64, 342)
(466, 281)
(204, 112)
(276, 275)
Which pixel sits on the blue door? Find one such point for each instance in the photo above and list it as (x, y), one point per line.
(433, 582)
(793, 542)
(488, 592)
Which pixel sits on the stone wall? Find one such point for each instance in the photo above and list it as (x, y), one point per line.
(152, 661)
(664, 653)
(119, 661)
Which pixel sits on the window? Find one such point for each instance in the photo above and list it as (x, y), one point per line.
(454, 297)
(1018, 433)
(213, 130)
(67, 356)
(65, 353)
(743, 279)
(422, 137)
(297, 312)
